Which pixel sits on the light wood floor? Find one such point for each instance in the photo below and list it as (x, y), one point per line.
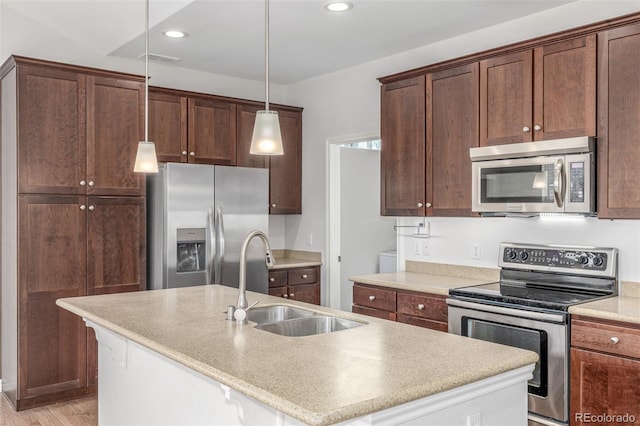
(79, 412)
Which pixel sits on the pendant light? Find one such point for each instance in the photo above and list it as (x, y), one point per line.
(146, 160)
(266, 139)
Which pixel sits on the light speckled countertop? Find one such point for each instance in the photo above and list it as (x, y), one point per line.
(295, 259)
(621, 308)
(418, 281)
(328, 378)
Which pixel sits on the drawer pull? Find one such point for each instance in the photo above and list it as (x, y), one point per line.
(421, 307)
(286, 296)
(372, 298)
(291, 295)
(272, 280)
(614, 340)
(305, 276)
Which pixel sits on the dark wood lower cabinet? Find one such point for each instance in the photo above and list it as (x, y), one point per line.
(301, 284)
(410, 307)
(605, 372)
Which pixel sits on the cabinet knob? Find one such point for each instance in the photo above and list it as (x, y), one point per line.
(537, 127)
(273, 205)
(83, 182)
(193, 154)
(614, 340)
(421, 307)
(526, 129)
(83, 207)
(420, 204)
(291, 295)
(305, 276)
(92, 208)
(184, 152)
(372, 298)
(428, 205)
(272, 280)
(91, 183)
(286, 296)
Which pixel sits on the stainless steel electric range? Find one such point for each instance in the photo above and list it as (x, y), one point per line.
(528, 308)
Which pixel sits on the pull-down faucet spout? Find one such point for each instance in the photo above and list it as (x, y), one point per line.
(242, 285)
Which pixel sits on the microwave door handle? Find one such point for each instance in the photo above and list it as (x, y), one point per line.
(558, 182)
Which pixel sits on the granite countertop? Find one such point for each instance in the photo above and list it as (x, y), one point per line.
(337, 376)
(620, 308)
(418, 281)
(295, 259)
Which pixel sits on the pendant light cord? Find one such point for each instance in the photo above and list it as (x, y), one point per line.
(266, 59)
(146, 71)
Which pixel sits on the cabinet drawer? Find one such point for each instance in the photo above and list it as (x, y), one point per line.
(377, 313)
(423, 305)
(303, 276)
(279, 291)
(423, 322)
(277, 278)
(374, 297)
(614, 339)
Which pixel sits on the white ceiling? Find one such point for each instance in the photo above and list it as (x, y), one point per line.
(227, 36)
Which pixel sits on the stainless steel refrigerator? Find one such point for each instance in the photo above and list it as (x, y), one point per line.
(198, 218)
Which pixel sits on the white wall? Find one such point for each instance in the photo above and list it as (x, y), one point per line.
(348, 102)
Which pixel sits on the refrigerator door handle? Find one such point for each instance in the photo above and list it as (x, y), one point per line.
(219, 258)
(211, 240)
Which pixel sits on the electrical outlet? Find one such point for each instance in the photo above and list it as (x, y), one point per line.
(475, 251)
(474, 419)
(309, 239)
(425, 247)
(417, 247)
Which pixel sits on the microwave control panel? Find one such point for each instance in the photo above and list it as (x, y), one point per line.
(576, 181)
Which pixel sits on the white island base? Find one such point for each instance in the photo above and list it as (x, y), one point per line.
(138, 386)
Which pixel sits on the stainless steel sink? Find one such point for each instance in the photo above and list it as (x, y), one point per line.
(309, 326)
(276, 313)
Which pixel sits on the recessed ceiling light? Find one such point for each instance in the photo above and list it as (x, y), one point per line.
(338, 6)
(174, 34)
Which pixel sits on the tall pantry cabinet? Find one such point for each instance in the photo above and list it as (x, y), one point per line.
(73, 218)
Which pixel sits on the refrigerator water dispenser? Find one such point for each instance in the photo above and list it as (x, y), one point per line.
(191, 249)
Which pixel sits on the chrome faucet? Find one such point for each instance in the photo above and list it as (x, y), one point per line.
(242, 307)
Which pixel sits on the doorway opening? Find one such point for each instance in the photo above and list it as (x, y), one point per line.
(356, 233)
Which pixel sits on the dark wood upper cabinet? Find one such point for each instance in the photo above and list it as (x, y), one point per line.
(403, 155)
(51, 123)
(115, 125)
(619, 123)
(285, 171)
(539, 94)
(452, 127)
(506, 90)
(168, 126)
(211, 131)
(564, 101)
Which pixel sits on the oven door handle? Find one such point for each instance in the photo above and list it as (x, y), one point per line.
(558, 318)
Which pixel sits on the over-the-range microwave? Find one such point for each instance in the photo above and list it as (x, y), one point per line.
(553, 176)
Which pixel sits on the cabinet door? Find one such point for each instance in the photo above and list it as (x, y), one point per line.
(115, 125)
(452, 128)
(116, 256)
(506, 99)
(285, 171)
(246, 118)
(309, 293)
(52, 264)
(51, 122)
(403, 154)
(619, 123)
(603, 385)
(565, 89)
(168, 126)
(212, 132)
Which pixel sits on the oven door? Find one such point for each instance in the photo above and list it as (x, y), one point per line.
(543, 333)
(526, 185)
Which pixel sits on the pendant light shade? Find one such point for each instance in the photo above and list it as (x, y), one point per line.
(146, 159)
(266, 139)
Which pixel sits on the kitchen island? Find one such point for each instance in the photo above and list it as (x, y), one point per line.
(170, 356)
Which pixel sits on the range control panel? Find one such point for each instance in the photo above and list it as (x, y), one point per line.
(591, 259)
